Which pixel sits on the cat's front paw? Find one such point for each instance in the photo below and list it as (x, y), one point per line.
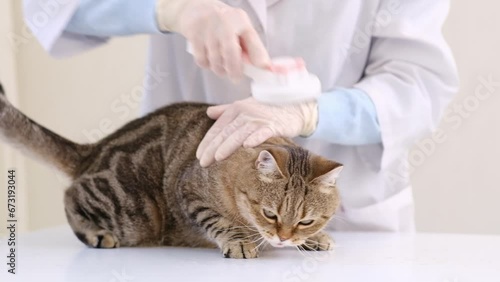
(319, 242)
(240, 250)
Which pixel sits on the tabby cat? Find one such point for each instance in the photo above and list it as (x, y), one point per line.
(143, 186)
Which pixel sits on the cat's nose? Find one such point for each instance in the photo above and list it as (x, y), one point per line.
(283, 238)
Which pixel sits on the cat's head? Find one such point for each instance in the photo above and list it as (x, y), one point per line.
(294, 195)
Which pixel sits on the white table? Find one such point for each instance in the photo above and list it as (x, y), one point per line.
(56, 255)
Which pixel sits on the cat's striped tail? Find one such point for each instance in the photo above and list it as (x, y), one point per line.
(35, 140)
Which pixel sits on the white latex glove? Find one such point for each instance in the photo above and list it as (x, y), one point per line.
(250, 123)
(221, 35)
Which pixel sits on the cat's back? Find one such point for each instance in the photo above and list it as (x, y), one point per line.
(171, 118)
(169, 134)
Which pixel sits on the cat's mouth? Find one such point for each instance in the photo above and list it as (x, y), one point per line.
(274, 240)
(277, 243)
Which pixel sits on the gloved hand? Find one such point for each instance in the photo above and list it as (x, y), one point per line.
(250, 123)
(220, 34)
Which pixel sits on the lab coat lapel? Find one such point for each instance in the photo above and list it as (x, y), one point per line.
(260, 9)
(272, 2)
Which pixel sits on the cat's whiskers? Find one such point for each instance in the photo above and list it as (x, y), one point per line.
(302, 251)
(243, 230)
(256, 240)
(310, 248)
(250, 236)
(246, 229)
(236, 219)
(260, 244)
(266, 244)
(242, 227)
(250, 227)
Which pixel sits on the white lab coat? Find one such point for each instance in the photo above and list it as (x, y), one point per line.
(391, 49)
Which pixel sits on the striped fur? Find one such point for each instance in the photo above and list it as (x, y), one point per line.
(142, 185)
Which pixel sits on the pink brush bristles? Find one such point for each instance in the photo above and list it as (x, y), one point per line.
(287, 66)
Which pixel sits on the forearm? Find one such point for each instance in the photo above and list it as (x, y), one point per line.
(106, 18)
(347, 117)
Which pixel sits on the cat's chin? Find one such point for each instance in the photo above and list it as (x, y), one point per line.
(281, 244)
(278, 245)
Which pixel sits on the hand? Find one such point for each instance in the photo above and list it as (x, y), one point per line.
(220, 34)
(250, 123)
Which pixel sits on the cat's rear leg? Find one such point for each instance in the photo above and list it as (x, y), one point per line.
(89, 220)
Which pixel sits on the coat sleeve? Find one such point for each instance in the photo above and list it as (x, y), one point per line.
(347, 117)
(47, 21)
(411, 74)
(68, 27)
(105, 18)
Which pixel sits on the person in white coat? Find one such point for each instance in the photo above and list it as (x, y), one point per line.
(386, 72)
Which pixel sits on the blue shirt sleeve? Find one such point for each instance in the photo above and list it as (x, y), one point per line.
(106, 18)
(347, 117)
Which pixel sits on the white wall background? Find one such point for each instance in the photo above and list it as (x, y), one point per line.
(457, 182)
(457, 188)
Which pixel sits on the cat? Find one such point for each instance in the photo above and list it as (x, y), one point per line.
(143, 186)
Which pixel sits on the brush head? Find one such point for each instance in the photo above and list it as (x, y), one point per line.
(286, 81)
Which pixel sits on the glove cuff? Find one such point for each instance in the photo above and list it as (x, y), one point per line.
(169, 12)
(310, 114)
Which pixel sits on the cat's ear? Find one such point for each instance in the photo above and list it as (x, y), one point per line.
(268, 164)
(330, 178)
(326, 172)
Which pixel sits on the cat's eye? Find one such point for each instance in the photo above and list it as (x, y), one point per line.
(269, 214)
(306, 222)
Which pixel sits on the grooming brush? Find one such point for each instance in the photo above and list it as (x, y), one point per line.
(285, 81)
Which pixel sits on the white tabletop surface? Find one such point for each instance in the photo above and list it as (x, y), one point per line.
(56, 255)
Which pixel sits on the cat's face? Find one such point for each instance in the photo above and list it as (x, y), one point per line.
(294, 197)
